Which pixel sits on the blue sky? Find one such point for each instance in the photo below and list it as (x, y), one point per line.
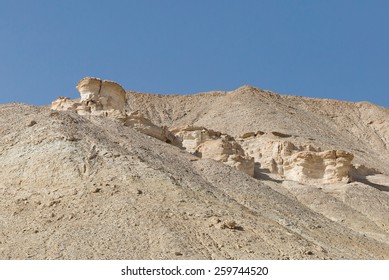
(327, 49)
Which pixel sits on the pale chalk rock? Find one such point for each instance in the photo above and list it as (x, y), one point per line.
(108, 99)
(101, 94)
(207, 143)
(327, 167)
(302, 163)
(137, 121)
(98, 97)
(228, 151)
(192, 136)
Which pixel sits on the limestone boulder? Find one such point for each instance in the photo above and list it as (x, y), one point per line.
(228, 151)
(98, 97)
(101, 94)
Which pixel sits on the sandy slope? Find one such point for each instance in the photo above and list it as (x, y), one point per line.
(361, 128)
(77, 187)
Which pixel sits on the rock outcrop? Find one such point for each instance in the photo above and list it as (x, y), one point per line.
(253, 150)
(64, 104)
(192, 136)
(327, 167)
(107, 98)
(207, 143)
(229, 152)
(137, 121)
(102, 94)
(98, 97)
(302, 163)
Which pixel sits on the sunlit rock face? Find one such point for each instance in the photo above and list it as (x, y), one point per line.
(108, 99)
(98, 97)
(207, 143)
(228, 151)
(102, 94)
(302, 163)
(328, 166)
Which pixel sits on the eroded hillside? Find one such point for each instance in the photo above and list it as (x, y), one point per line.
(247, 174)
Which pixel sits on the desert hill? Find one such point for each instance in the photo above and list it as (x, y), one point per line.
(361, 128)
(247, 174)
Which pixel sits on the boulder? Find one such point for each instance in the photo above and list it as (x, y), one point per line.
(98, 97)
(101, 94)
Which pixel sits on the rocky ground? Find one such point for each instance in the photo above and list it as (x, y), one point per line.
(84, 186)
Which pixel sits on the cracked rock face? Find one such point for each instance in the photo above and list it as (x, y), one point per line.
(98, 97)
(301, 163)
(102, 94)
(108, 99)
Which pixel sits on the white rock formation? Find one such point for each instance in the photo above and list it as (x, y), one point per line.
(206, 143)
(102, 94)
(107, 98)
(98, 97)
(327, 167)
(192, 136)
(255, 150)
(228, 151)
(302, 163)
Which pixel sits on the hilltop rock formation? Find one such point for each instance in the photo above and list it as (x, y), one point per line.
(107, 98)
(102, 94)
(98, 97)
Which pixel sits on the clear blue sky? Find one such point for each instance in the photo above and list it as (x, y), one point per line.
(329, 49)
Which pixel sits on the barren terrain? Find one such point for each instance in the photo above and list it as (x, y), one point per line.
(76, 186)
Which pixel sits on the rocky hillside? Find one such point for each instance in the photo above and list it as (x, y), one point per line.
(247, 174)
